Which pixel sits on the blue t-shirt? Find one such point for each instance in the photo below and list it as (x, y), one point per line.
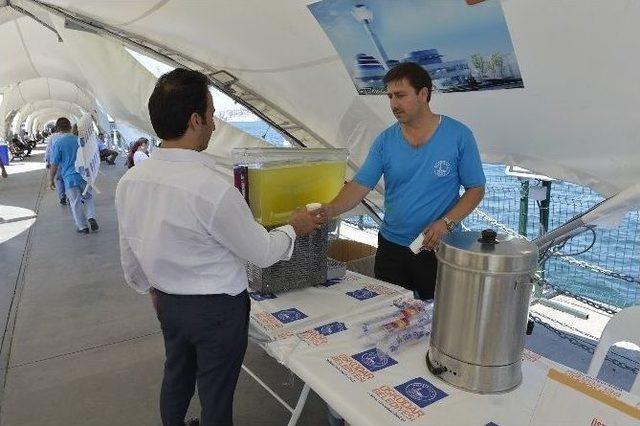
(64, 155)
(421, 184)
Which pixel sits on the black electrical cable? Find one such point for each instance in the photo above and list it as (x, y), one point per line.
(593, 241)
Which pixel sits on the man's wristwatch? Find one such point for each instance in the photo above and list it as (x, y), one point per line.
(451, 225)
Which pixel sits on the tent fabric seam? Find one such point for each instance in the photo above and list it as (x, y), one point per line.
(26, 50)
(148, 12)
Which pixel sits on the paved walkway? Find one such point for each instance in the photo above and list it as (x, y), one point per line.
(80, 346)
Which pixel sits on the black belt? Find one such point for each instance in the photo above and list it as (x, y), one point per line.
(215, 295)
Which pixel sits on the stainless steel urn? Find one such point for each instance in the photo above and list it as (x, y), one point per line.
(480, 310)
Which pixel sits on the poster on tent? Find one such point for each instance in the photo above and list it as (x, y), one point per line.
(465, 45)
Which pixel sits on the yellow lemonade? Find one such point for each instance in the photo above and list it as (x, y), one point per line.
(276, 191)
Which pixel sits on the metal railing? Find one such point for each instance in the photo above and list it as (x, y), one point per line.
(608, 273)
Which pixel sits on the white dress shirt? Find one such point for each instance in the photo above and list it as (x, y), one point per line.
(185, 230)
(139, 157)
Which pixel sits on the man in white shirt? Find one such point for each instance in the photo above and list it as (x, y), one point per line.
(185, 236)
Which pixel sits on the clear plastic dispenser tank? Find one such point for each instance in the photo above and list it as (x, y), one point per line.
(276, 181)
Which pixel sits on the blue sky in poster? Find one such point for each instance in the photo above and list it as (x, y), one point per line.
(453, 27)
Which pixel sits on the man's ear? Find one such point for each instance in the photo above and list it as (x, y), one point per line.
(194, 120)
(424, 93)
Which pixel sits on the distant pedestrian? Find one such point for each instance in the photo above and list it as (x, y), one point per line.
(106, 154)
(63, 157)
(138, 153)
(51, 141)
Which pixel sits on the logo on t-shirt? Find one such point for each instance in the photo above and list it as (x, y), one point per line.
(442, 168)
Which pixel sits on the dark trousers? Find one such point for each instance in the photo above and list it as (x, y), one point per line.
(398, 265)
(205, 339)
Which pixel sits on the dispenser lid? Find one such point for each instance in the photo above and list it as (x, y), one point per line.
(488, 251)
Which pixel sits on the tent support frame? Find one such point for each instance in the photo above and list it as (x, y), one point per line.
(34, 17)
(222, 80)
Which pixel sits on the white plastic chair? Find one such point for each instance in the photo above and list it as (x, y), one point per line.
(623, 327)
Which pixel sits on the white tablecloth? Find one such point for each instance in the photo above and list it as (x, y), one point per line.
(314, 332)
(314, 316)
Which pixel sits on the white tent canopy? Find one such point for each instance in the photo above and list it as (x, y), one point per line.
(30, 50)
(38, 90)
(37, 68)
(70, 111)
(575, 119)
(32, 110)
(48, 75)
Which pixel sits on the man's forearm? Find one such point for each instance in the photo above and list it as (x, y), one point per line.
(52, 172)
(348, 197)
(469, 201)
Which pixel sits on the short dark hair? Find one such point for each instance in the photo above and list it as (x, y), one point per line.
(177, 95)
(63, 124)
(417, 76)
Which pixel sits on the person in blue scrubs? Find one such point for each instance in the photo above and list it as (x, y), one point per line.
(425, 158)
(51, 141)
(63, 158)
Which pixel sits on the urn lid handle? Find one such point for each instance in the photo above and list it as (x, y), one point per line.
(488, 236)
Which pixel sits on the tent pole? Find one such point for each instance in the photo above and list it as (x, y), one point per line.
(230, 87)
(34, 17)
(178, 59)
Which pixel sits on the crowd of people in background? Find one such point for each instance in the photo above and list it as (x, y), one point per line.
(61, 149)
(21, 144)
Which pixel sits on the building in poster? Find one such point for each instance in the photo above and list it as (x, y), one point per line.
(463, 45)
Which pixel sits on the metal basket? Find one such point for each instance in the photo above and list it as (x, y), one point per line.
(307, 266)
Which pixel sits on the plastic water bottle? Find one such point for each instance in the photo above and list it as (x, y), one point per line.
(406, 310)
(393, 342)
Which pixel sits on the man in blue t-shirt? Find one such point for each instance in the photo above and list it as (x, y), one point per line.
(51, 142)
(63, 157)
(425, 158)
